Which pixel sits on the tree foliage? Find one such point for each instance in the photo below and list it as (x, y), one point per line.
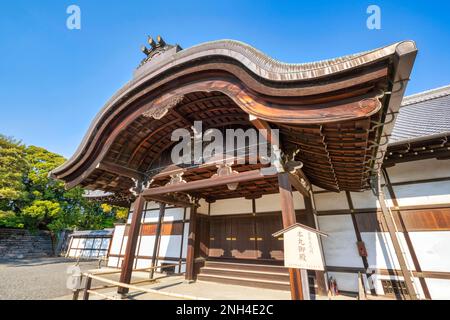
(30, 199)
(12, 169)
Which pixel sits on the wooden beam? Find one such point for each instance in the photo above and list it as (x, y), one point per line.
(120, 170)
(294, 179)
(162, 210)
(190, 257)
(265, 130)
(210, 163)
(130, 251)
(297, 184)
(169, 200)
(207, 183)
(288, 215)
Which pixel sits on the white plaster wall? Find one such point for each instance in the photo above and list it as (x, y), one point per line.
(152, 205)
(432, 250)
(203, 208)
(150, 216)
(272, 202)
(170, 246)
(345, 281)
(152, 213)
(268, 203)
(381, 253)
(185, 241)
(331, 201)
(146, 246)
(364, 200)
(124, 245)
(113, 262)
(170, 214)
(439, 288)
(407, 195)
(423, 194)
(188, 213)
(231, 206)
(373, 282)
(419, 170)
(173, 214)
(340, 246)
(117, 239)
(143, 263)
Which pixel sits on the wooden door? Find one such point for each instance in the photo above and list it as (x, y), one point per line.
(269, 248)
(220, 238)
(202, 238)
(244, 238)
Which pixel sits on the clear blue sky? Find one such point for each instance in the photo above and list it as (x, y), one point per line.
(53, 80)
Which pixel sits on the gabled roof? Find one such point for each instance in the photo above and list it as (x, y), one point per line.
(423, 115)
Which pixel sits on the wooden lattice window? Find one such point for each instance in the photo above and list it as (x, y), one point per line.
(394, 288)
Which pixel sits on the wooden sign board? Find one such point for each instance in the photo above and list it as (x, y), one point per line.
(302, 248)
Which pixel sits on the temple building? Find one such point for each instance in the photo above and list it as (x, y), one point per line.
(350, 159)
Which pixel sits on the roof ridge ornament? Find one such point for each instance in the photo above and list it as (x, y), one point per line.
(157, 49)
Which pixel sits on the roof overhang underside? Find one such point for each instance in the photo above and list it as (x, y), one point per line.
(335, 115)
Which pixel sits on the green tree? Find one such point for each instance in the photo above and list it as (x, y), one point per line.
(30, 199)
(13, 171)
(40, 213)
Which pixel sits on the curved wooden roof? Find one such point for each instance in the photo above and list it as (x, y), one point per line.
(333, 111)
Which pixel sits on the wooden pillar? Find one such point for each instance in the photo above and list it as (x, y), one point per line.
(390, 224)
(311, 222)
(409, 243)
(87, 287)
(288, 215)
(130, 251)
(190, 258)
(162, 209)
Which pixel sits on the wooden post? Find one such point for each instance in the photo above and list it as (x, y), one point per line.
(87, 287)
(76, 294)
(409, 243)
(288, 215)
(190, 258)
(130, 251)
(162, 209)
(390, 224)
(311, 222)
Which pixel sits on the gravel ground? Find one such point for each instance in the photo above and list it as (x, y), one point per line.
(37, 279)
